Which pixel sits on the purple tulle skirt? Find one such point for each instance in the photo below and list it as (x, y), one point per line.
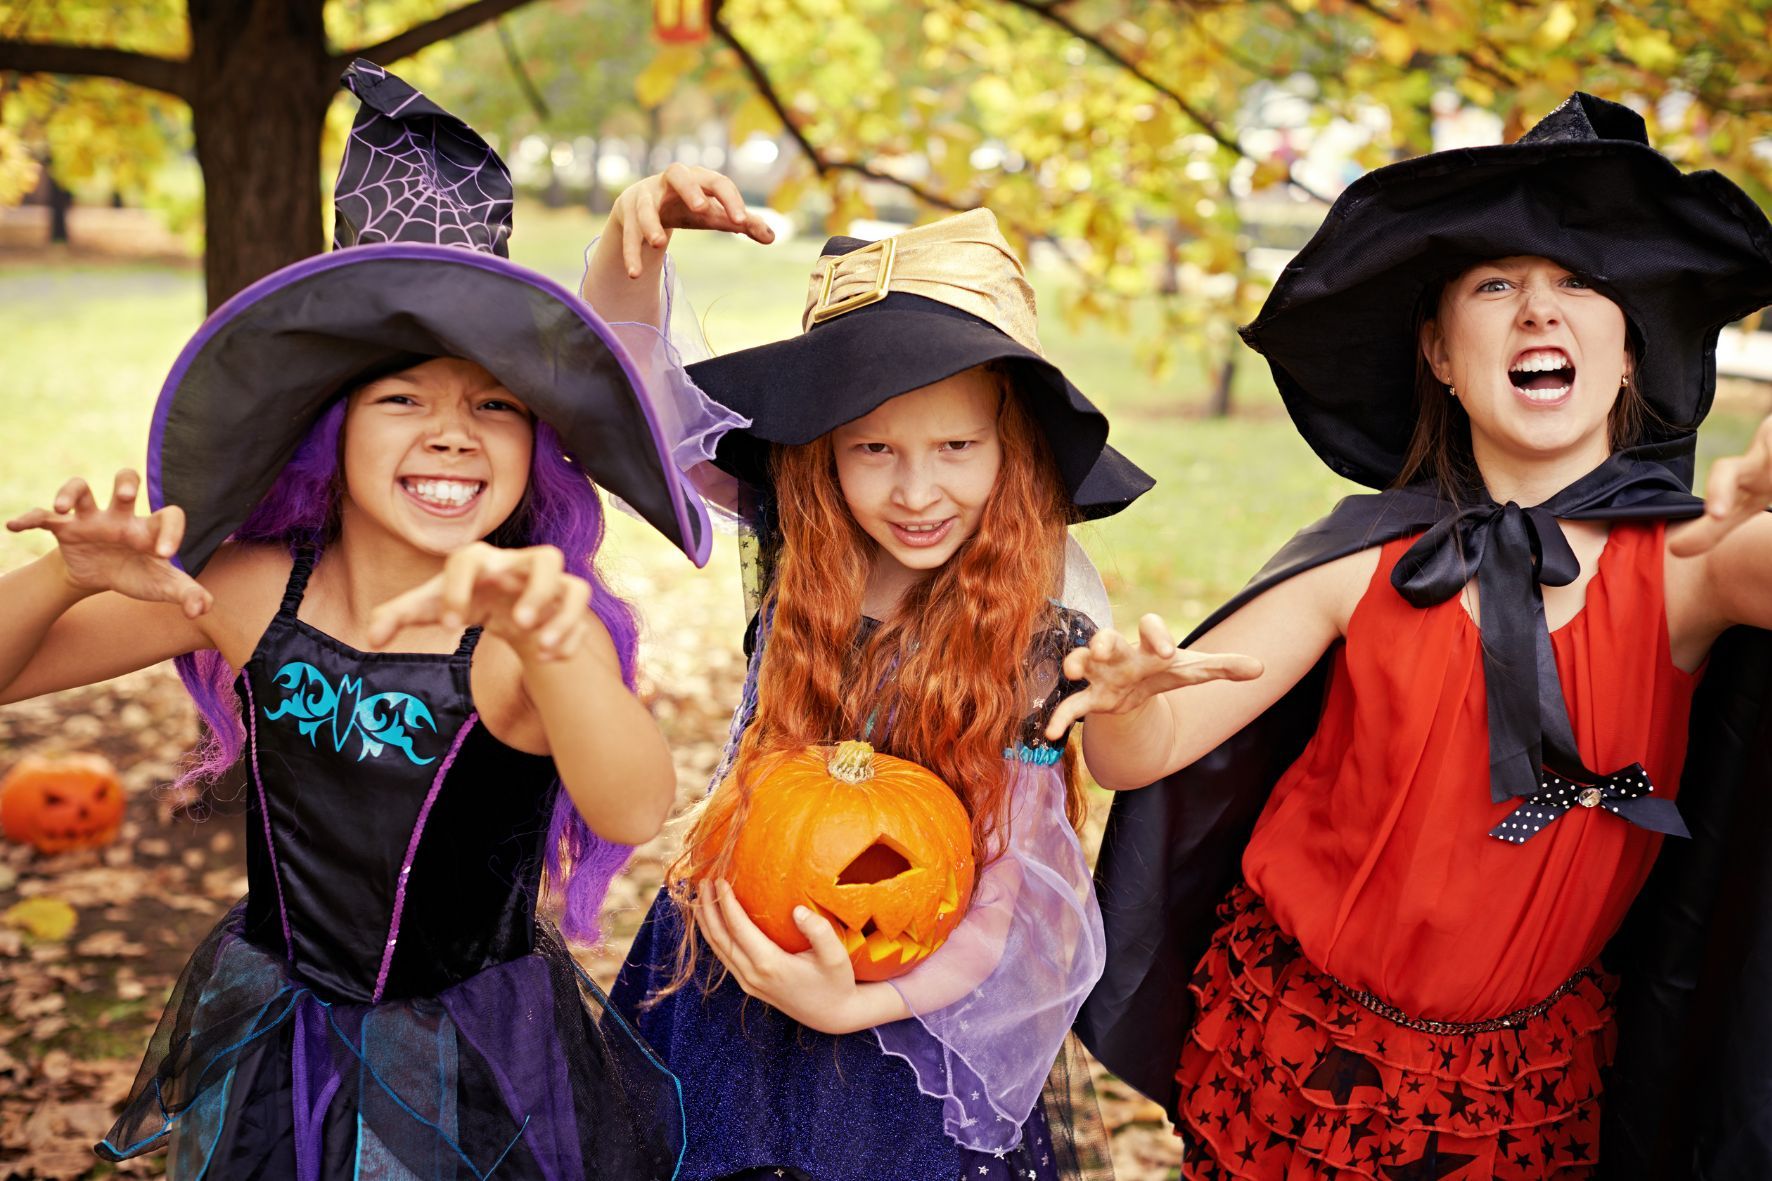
(520, 1071)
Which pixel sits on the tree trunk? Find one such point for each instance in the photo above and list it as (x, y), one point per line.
(263, 79)
(594, 197)
(1221, 390)
(59, 201)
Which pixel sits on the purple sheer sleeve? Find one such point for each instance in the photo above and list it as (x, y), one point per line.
(692, 421)
(992, 1006)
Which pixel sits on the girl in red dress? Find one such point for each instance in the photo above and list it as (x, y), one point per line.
(1404, 982)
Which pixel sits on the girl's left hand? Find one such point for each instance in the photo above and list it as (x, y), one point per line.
(1123, 676)
(522, 596)
(817, 987)
(1738, 490)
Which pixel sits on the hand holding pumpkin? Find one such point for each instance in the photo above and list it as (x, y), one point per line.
(816, 987)
(1123, 677)
(113, 549)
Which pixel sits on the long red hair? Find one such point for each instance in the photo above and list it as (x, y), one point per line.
(950, 667)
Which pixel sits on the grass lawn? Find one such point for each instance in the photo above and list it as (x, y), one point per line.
(87, 346)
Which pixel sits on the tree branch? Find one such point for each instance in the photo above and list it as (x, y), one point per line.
(824, 165)
(1497, 71)
(821, 163)
(439, 29)
(520, 72)
(1049, 13)
(165, 74)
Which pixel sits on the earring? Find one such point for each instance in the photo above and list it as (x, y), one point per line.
(1451, 391)
(1624, 383)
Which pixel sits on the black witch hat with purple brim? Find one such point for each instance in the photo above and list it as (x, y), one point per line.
(418, 271)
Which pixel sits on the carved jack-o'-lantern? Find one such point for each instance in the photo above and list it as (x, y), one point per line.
(877, 845)
(72, 802)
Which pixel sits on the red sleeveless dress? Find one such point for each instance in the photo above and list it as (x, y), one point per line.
(1372, 884)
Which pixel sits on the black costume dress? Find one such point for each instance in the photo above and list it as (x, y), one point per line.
(384, 1002)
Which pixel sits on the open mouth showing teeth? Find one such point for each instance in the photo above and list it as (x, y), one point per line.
(1542, 375)
(443, 493)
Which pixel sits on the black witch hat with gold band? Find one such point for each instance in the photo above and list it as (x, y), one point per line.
(888, 317)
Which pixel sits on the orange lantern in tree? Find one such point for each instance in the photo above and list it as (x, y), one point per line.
(61, 804)
(879, 846)
(680, 22)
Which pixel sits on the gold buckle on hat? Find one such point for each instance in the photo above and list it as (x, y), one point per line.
(887, 249)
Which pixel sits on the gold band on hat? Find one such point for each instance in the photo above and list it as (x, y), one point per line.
(963, 261)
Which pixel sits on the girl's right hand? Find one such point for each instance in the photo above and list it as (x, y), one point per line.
(680, 197)
(114, 549)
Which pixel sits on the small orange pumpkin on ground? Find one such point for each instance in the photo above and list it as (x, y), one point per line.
(61, 804)
(879, 846)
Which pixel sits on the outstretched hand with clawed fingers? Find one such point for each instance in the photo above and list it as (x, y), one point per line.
(113, 548)
(1738, 490)
(679, 198)
(1122, 676)
(523, 596)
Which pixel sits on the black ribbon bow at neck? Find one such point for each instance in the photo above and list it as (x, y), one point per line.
(1512, 552)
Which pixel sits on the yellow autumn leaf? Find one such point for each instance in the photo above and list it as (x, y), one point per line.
(1395, 44)
(48, 919)
(1480, 94)
(655, 83)
(1650, 49)
(1559, 22)
(790, 192)
(1269, 173)
(754, 117)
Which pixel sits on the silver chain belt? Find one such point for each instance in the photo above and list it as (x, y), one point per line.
(1396, 1016)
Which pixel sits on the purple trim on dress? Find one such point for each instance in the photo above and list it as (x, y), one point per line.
(418, 828)
(369, 255)
(310, 1118)
(264, 811)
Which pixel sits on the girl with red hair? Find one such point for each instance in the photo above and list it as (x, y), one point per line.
(910, 469)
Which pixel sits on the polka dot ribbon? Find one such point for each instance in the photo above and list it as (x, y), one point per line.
(1627, 794)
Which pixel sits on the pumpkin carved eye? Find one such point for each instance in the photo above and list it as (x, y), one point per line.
(879, 862)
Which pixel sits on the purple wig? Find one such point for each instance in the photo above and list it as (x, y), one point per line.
(560, 508)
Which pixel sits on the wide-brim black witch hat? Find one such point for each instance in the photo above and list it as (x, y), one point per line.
(884, 318)
(1681, 253)
(418, 271)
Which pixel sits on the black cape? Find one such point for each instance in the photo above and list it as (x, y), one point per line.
(1690, 1092)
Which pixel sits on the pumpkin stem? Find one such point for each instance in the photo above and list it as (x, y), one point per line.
(852, 762)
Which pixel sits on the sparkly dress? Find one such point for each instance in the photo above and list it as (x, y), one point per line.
(384, 1003)
(768, 1098)
(1371, 874)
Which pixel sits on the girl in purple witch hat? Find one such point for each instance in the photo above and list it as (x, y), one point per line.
(370, 552)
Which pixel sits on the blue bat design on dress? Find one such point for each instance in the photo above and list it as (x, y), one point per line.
(380, 720)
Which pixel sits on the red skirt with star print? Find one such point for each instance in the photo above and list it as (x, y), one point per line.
(1286, 1077)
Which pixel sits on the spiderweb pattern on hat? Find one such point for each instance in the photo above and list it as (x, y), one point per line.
(412, 172)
